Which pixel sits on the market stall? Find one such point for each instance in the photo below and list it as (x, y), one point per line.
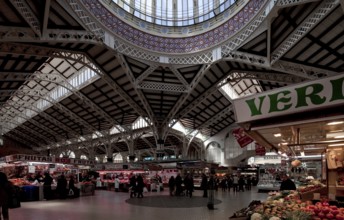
(26, 172)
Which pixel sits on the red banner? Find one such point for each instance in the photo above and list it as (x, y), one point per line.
(260, 150)
(242, 139)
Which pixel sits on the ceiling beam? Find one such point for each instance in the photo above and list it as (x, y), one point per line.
(59, 79)
(146, 73)
(318, 14)
(23, 34)
(216, 117)
(142, 98)
(28, 105)
(46, 17)
(288, 3)
(199, 76)
(25, 11)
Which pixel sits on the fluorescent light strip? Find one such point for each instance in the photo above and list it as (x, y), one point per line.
(335, 123)
(335, 145)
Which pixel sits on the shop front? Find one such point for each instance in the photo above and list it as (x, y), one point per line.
(303, 125)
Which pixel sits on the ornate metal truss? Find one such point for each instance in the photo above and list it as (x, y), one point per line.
(86, 18)
(12, 48)
(28, 105)
(143, 100)
(25, 136)
(28, 118)
(25, 11)
(62, 81)
(313, 19)
(40, 94)
(290, 3)
(207, 56)
(216, 118)
(21, 34)
(148, 143)
(19, 139)
(163, 87)
(179, 76)
(29, 130)
(307, 72)
(272, 77)
(145, 74)
(166, 125)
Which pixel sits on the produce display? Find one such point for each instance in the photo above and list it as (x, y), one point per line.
(19, 182)
(313, 185)
(247, 211)
(286, 205)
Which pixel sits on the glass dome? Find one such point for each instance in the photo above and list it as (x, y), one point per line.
(175, 12)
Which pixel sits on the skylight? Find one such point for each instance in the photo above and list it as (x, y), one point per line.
(175, 12)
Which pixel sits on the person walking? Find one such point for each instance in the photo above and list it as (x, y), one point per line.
(6, 191)
(116, 183)
(178, 182)
(132, 186)
(171, 185)
(189, 185)
(47, 181)
(61, 187)
(204, 185)
(139, 186)
(235, 183)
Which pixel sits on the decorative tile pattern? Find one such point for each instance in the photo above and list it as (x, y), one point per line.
(174, 45)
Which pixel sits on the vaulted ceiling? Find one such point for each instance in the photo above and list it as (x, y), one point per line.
(43, 43)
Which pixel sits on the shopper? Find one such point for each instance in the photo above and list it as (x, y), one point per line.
(235, 183)
(47, 181)
(61, 187)
(171, 185)
(132, 186)
(73, 191)
(241, 183)
(287, 183)
(6, 191)
(204, 185)
(139, 186)
(116, 183)
(179, 182)
(189, 185)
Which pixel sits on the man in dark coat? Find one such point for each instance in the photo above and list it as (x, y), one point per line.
(178, 182)
(204, 185)
(287, 183)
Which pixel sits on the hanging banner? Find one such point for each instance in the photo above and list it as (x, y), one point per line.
(241, 137)
(260, 150)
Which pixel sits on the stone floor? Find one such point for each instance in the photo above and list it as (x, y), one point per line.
(109, 205)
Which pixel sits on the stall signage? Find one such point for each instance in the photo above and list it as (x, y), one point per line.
(241, 137)
(267, 159)
(62, 160)
(48, 159)
(260, 150)
(311, 95)
(34, 158)
(135, 166)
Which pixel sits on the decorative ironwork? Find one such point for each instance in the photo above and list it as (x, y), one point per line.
(162, 87)
(313, 19)
(25, 10)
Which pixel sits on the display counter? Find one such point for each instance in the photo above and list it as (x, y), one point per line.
(87, 189)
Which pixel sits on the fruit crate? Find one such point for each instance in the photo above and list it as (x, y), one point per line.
(310, 195)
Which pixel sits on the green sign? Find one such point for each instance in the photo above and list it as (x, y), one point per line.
(311, 95)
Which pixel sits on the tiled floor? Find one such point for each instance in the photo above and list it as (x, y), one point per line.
(109, 205)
